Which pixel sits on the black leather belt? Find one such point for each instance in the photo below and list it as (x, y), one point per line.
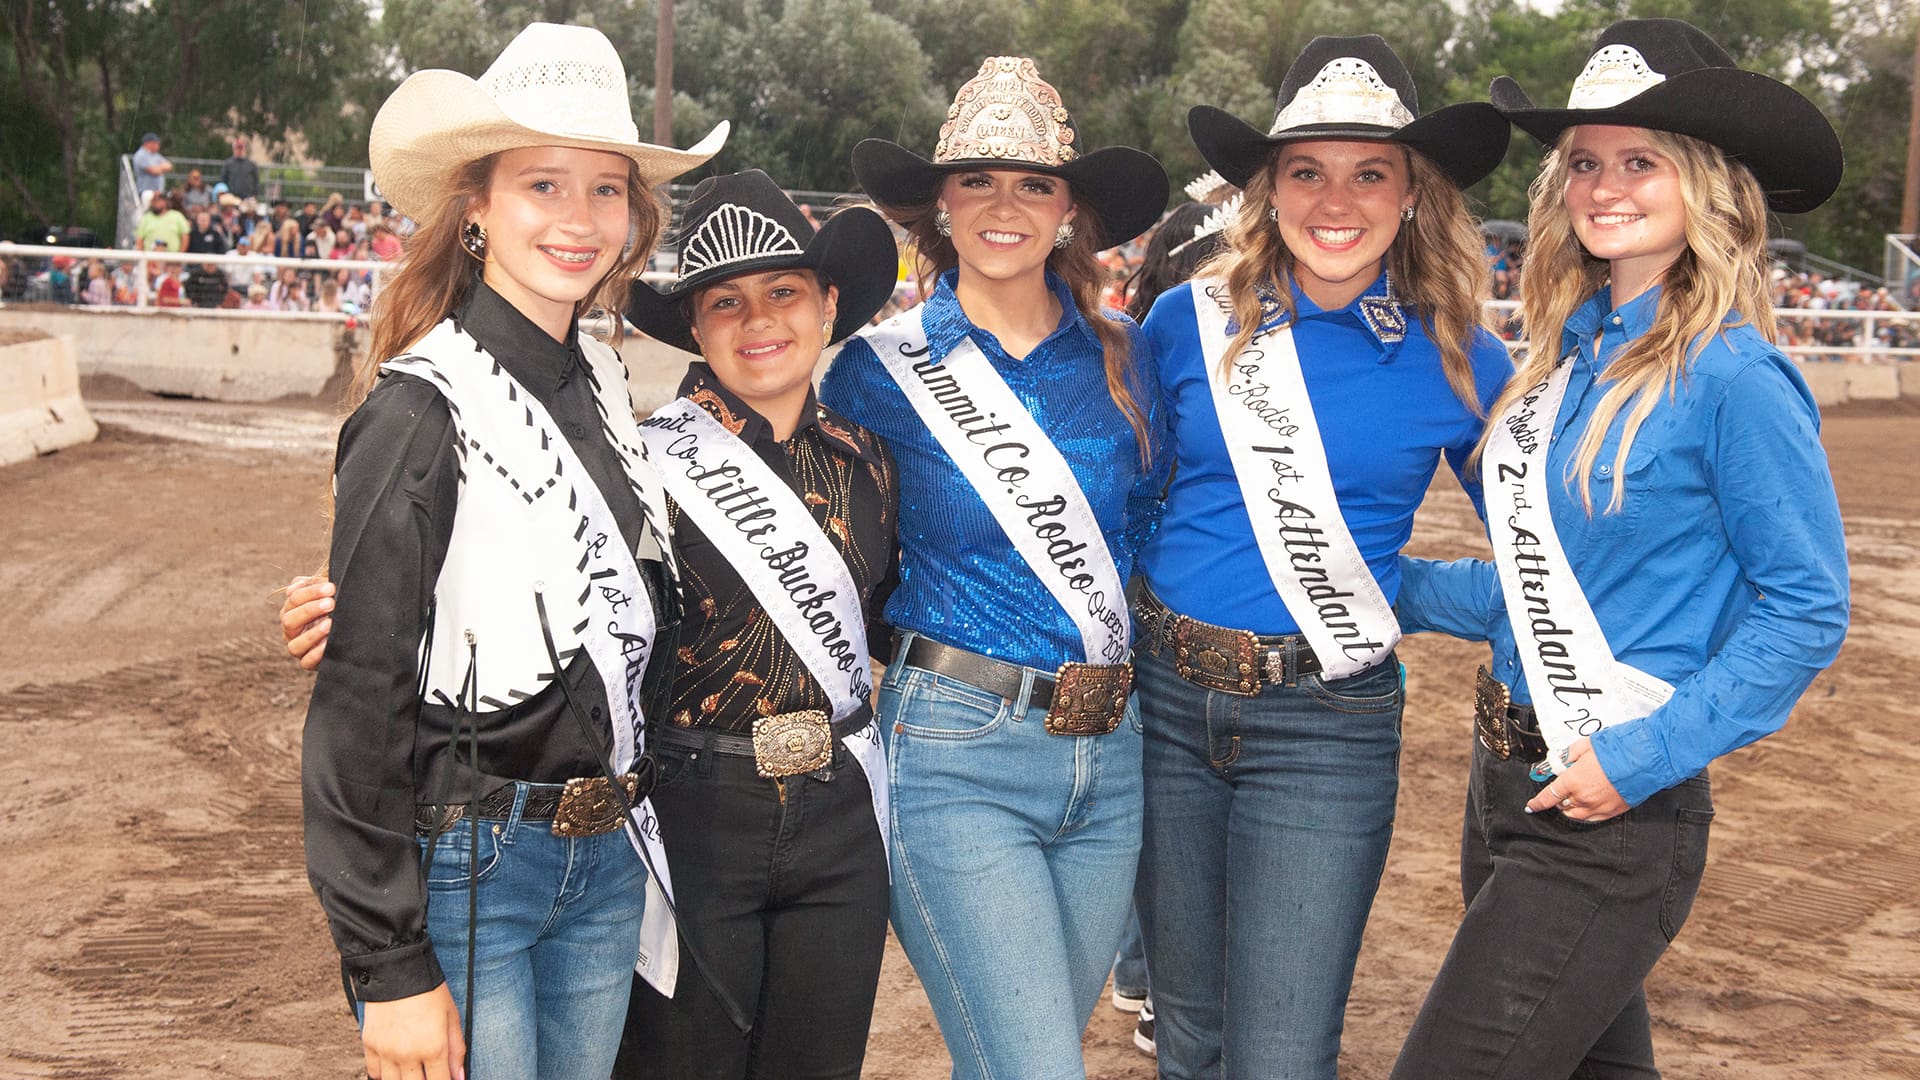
(993, 676)
(1505, 729)
(1220, 658)
(577, 808)
(1093, 703)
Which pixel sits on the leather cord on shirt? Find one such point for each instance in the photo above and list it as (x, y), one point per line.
(735, 1013)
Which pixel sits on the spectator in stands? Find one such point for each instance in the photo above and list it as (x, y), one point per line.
(278, 213)
(382, 243)
(196, 194)
(228, 219)
(165, 285)
(240, 174)
(206, 286)
(98, 289)
(355, 223)
(207, 238)
(323, 238)
(356, 289)
(334, 210)
(161, 228)
(256, 299)
(309, 213)
(150, 169)
(329, 298)
(285, 289)
(287, 243)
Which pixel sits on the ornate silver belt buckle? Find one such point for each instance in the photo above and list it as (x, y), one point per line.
(792, 743)
(1089, 699)
(1220, 660)
(588, 808)
(1490, 700)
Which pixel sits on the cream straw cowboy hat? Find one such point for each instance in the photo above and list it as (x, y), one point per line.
(551, 86)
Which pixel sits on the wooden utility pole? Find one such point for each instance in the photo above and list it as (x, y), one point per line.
(1910, 195)
(663, 77)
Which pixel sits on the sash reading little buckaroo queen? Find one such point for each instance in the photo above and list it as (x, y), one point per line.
(1578, 687)
(1018, 472)
(532, 523)
(779, 550)
(1273, 442)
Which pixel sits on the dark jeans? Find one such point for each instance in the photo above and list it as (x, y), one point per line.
(785, 894)
(1563, 923)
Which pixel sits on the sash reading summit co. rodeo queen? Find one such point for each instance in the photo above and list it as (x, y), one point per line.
(1578, 687)
(1018, 472)
(779, 550)
(535, 499)
(1274, 444)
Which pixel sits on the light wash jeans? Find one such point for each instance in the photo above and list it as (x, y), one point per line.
(556, 938)
(1267, 822)
(1013, 854)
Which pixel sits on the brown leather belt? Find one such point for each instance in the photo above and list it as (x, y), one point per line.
(1504, 728)
(1080, 699)
(783, 745)
(1238, 662)
(578, 808)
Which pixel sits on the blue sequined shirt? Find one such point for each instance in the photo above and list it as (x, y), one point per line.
(961, 581)
(1725, 570)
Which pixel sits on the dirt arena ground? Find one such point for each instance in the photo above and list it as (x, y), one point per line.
(157, 918)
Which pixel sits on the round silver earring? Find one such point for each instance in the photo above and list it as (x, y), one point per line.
(474, 239)
(1273, 215)
(943, 222)
(1063, 235)
(1406, 213)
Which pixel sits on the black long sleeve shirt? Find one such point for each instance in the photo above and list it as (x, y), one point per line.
(372, 748)
(733, 666)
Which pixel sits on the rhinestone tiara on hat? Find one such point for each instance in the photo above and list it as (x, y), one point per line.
(1007, 111)
(1612, 75)
(731, 234)
(1346, 91)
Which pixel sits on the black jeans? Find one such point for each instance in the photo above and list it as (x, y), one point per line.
(783, 888)
(1563, 923)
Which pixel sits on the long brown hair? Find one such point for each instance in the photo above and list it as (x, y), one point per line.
(1437, 262)
(1718, 281)
(1078, 264)
(435, 271)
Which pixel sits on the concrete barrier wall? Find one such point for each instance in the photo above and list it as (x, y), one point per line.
(40, 407)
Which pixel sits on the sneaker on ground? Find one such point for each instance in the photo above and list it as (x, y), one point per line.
(1143, 1031)
(1128, 1003)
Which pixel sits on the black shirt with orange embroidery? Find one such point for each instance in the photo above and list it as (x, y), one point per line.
(733, 666)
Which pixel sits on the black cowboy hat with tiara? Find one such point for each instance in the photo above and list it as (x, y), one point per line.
(1666, 75)
(1008, 117)
(742, 223)
(1353, 88)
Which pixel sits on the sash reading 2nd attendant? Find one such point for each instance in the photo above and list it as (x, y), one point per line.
(1018, 472)
(1578, 687)
(767, 534)
(1273, 443)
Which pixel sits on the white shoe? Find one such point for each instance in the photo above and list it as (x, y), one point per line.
(1143, 1031)
(1126, 1003)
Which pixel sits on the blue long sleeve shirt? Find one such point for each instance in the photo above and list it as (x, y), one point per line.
(961, 581)
(1725, 572)
(1387, 416)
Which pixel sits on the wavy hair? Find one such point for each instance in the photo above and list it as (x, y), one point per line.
(436, 272)
(1078, 265)
(1437, 261)
(1718, 281)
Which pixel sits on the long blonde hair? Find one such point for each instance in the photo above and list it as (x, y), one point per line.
(1078, 264)
(1721, 272)
(435, 271)
(1437, 262)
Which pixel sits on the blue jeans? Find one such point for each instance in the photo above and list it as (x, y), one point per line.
(1130, 966)
(555, 940)
(1267, 822)
(1013, 853)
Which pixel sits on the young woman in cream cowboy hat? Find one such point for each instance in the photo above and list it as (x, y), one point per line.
(1669, 571)
(473, 747)
(1021, 418)
(1314, 376)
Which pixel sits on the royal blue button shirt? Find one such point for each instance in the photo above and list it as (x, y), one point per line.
(1725, 572)
(1386, 414)
(961, 581)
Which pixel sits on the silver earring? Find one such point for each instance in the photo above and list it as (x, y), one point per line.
(1063, 235)
(474, 239)
(1273, 214)
(943, 222)
(1406, 213)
